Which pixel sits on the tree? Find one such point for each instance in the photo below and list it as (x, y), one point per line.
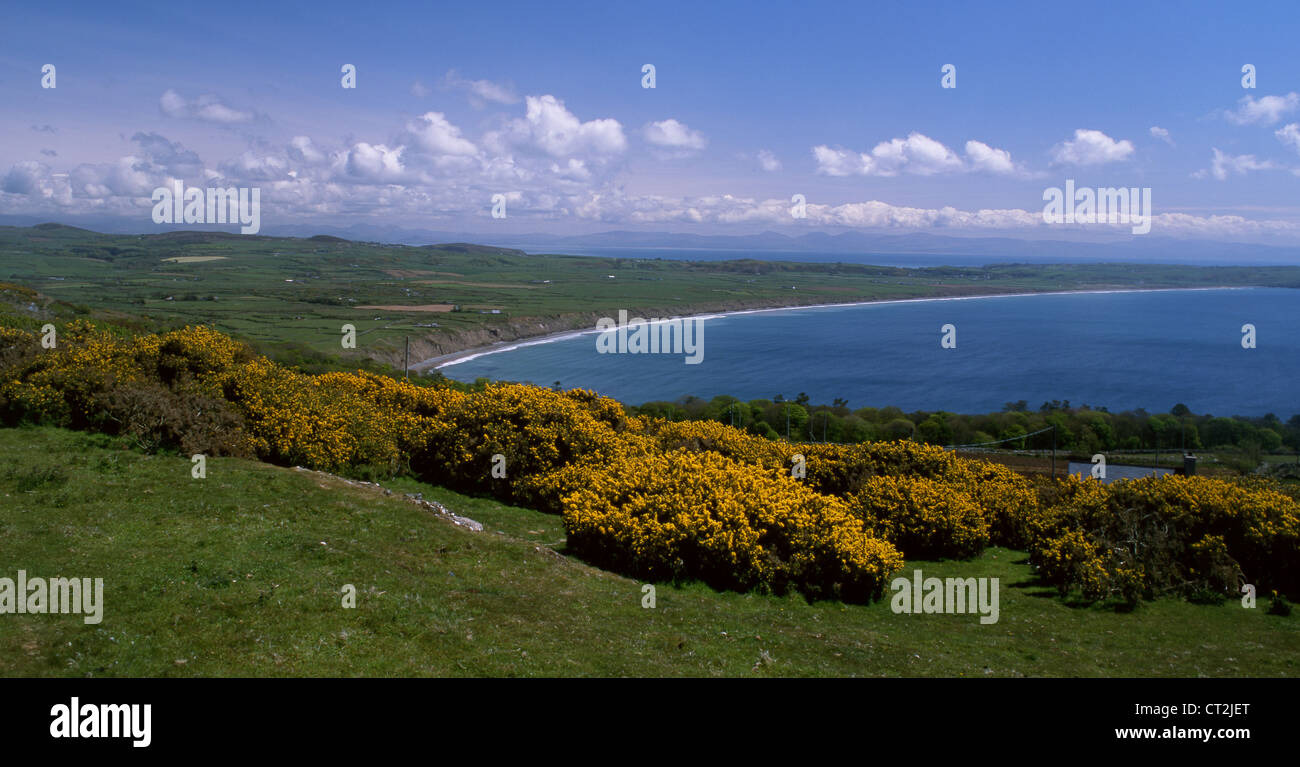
(899, 429)
(934, 430)
(1016, 431)
(792, 422)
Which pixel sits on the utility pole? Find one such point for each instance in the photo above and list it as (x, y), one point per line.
(406, 358)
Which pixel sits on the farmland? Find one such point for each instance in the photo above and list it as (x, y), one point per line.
(291, 296)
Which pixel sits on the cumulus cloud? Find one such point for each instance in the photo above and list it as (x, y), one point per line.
(25, 177)
(167, 156)
(375, 163)
(548, 126)
(1162, 134)
(206, 108)
(1289, 135)
(1224, 165)
(250, 166)
(552, 165)
(671, 134)
(1091, 147)
(615, 207)
(917, 154)
(480, 92)
(1263, 111)
(983, 157)
(304, 151)
(433, 133)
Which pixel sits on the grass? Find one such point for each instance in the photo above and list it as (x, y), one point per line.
(240, 574)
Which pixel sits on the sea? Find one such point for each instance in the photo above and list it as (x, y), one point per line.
(1121, 350)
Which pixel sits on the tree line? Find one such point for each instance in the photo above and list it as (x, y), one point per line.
(1078, 428)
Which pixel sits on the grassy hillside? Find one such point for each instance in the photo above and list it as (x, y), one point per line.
(240, 574)
(296, 293)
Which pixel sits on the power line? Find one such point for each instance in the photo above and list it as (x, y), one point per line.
(999, 441)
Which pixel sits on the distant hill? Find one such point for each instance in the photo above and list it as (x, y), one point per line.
(852, 246)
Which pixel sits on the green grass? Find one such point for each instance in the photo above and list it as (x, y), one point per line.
(239, 574)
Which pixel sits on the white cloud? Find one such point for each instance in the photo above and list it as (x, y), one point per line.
(252, 167)
(574, 169)
(1091, 147)
(419, 89)
(1224, 165)
(917, 154)
(671, 134)
(553, 129)
(374, 163)
(838, 162)
(1264, 111)
(480, 92)
(1162, 134)
(983, 157)
(768, 161)
(1289, 135)
(434, 134)
(303, 150)
(207, 108)
(25, 178)
(614, 207)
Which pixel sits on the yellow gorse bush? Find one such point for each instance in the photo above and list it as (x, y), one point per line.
(702, 515)
(652, 498)
(924, 517)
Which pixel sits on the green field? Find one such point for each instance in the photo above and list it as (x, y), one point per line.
(285, 294)
(240, 574)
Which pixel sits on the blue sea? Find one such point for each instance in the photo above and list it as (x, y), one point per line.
(1119, 350)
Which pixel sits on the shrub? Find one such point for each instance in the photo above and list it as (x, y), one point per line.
(1184, 535)
(923, 517)
(691, 515)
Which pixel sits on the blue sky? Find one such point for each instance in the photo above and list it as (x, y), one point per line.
(754, 102)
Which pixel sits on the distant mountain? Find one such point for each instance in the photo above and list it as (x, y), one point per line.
(850, 246)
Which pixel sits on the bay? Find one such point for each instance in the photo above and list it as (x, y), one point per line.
(1119, 350)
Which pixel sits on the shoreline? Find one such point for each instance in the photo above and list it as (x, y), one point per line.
(465, 355)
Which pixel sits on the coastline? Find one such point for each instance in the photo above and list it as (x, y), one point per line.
(465, 355)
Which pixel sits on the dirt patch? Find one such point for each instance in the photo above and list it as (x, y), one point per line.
(416, 308)
(194, 259)
(479, 284)
(407, 274)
